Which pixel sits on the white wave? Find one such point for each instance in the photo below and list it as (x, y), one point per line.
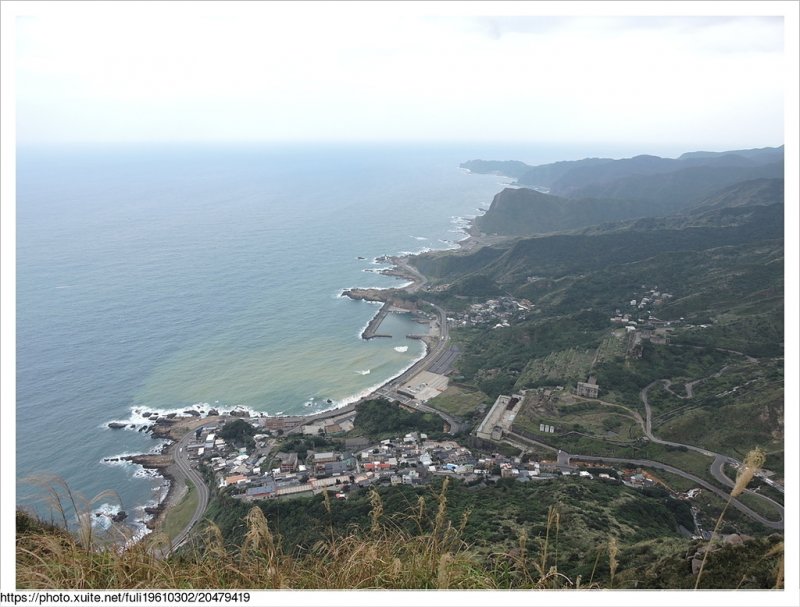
(118, 461)
(138, 420)
(101, 515)
(419, 238)
(143, 472)
(64, 287)
(417, 252)
(367, 391)
(364, 372)
(401, 348)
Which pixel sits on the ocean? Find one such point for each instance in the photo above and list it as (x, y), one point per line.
(164, 277)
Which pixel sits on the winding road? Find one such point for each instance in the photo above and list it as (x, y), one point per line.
(183, 466)
(644, 463)
(716, 469)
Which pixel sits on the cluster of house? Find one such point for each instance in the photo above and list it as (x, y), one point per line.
(649, 328)
(257, 473)
(498, 312)
(645, 323)
(412, 459)
(333, 425)
(652, 297)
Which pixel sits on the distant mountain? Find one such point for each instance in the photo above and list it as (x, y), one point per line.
(674, 190)
(582, 175)
(759, 155)
(584, 178)
(598, 191)
(509, 168)
(549, 175)
(746, 212)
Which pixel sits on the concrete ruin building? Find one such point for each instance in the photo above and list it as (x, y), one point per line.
(588, 389)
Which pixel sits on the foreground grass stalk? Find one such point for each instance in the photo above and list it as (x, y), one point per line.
(752, 463)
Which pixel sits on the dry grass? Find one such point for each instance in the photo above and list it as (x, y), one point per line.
(385, 556)
(752, 463)
(428, 553)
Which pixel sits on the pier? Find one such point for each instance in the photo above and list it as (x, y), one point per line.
(375, 323)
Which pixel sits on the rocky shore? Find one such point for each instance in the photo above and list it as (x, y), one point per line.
(163, 464)
(170, 427)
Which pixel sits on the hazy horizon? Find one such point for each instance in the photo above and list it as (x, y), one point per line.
(281, 73)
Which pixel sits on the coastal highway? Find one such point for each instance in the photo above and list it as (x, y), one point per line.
(183, 466)
(438, 354)
(708, 486)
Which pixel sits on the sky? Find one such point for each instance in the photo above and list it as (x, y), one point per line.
(304, 72)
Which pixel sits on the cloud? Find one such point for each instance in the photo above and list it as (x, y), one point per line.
(368, 76)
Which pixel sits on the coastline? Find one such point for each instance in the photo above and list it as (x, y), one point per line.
(171, 429)
(174, 427)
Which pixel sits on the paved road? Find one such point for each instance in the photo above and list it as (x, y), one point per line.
(706, 485)
(716, 468)
(563, 459)
(183, 466)
(438, 352)
(649, 422)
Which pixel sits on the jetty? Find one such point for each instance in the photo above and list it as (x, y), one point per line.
(375, 323)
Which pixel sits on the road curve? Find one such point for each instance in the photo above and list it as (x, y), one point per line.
(183, 466)
(708, 486)
(563, 458)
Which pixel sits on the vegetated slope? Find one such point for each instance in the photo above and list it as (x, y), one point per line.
(597, 190)
(497, 516)
(534, 536)
(748, 396)
(521, 212)
(754, 192)
(555, 255)
(721, 263)
(733, 205)
(736, 290)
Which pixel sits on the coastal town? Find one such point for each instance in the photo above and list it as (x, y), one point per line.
(253, 456)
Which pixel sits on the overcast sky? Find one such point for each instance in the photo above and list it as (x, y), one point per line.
(302, 74)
